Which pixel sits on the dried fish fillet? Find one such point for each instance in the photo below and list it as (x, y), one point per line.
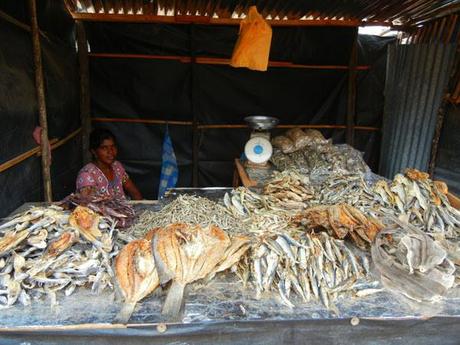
(86, 221)
(10, 240)
(184, 254)
(136, 275)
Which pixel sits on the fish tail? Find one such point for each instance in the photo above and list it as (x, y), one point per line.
(125, 313)
(173, 302)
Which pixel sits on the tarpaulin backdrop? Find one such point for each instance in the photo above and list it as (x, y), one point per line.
(18, 105)
(220, 94)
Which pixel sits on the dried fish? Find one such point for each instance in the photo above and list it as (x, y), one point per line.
(136, 275)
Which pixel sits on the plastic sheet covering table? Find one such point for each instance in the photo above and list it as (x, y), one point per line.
(223, 312)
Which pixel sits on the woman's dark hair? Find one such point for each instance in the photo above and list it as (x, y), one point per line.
(98, 135)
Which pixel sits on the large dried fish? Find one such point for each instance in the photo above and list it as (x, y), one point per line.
(136, 275)
(412, 263)
(185, 254)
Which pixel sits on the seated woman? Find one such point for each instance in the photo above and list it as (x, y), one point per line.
(105, 175)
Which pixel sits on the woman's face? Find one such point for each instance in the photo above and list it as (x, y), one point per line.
(106, 152)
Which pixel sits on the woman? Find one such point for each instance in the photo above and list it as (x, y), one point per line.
(105, 175)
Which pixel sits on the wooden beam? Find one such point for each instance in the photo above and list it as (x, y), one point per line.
(206, 20)
(220, 61)
(225, 126)
(41, 102)
(85, 101)
(22, 157)
(351, 107)
(144, 121)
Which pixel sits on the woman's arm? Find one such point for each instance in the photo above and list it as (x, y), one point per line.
(132, 190)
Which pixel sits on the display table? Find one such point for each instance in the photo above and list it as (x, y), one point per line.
(224, 312)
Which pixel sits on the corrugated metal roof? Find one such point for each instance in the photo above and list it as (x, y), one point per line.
(387, 11)
(417, 75)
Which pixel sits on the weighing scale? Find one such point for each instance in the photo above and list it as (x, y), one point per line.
(258, 149)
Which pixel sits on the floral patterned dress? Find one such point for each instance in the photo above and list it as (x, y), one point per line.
(91, 176)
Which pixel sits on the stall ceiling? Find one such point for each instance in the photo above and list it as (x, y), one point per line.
(391, 12)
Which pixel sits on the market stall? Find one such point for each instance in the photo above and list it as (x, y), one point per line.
(316, 246)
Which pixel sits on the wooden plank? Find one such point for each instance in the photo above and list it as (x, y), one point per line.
(228, 126)
(85, 101)
(145, 121)
(244, 178)
(221, 61)
(143, 18)
(40, 89)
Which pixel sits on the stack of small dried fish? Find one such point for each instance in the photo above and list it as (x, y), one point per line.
(117, 209)
(411, 262)
(423, 202)
(347, 188)
(187, 209)
(42, 252)
(290, 190)
(286, 191)
(321, 159)
(315, 266)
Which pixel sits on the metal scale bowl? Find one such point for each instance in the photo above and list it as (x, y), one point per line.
(258, 149)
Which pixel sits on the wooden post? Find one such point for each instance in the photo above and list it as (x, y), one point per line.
(85, 102)
(40, 88)
(436, 137)
(351, 108)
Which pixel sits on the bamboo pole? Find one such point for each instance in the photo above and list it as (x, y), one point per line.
(40, 89)
(351, 112)
(85, 105)
(55, 143)
(22, 157)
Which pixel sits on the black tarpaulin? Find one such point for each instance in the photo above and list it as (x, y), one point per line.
(220, 94)
(437, 330)
(19, 113)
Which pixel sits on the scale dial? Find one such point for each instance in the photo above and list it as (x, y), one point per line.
(258, 150)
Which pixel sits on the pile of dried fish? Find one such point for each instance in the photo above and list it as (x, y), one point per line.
(47, 249)
(285, 191)
(347, 188)
(340, 221)
(315, 266)
(412, 263)
(423, 202)
(117, 209)
(187, 209)
(321, 159)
